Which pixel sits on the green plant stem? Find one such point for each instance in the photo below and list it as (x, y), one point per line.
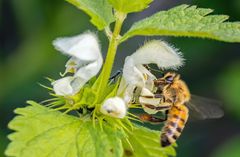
(112, 49)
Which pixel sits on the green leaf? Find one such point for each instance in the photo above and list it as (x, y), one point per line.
(145, 143)
(187, 21)
(128, 6)
(42, 132)
(100, 11)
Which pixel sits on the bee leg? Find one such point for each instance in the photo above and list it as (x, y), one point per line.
(157, 95)
(163, 107)
(166, 114)
(152, 119)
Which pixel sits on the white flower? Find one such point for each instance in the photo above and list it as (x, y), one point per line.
(156, 52)
(85, 62)
(114, 107)
(153, 52)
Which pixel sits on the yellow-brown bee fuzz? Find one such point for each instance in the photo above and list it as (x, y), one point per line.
(177, 118)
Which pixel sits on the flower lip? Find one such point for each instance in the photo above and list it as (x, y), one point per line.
(89, 70)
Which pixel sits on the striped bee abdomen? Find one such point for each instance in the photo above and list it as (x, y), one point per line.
(177, 118)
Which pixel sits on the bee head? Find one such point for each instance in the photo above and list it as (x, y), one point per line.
(167, 78)
(170, 77)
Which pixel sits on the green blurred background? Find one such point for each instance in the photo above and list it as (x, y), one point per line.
(212, 68)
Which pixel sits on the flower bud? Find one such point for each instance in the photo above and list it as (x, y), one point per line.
(114, 107)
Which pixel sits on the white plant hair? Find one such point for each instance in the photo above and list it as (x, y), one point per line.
(160, 53)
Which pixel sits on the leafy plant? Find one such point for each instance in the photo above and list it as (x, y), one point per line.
(95, 120)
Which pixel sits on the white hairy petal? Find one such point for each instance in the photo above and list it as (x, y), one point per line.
(85, 46)
(114, 107)
(89, 70)
(160, 53)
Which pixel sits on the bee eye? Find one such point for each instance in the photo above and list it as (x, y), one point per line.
(169, 79)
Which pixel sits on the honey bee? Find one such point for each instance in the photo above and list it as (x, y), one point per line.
(173, 96)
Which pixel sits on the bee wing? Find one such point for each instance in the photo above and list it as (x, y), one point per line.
(204, 108)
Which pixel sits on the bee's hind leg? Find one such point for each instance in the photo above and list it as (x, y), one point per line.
(152, 119)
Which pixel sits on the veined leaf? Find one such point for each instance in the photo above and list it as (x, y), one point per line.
(143, 142)
(42, 132)
(128, 6)
(187, 21)
(100, 11)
